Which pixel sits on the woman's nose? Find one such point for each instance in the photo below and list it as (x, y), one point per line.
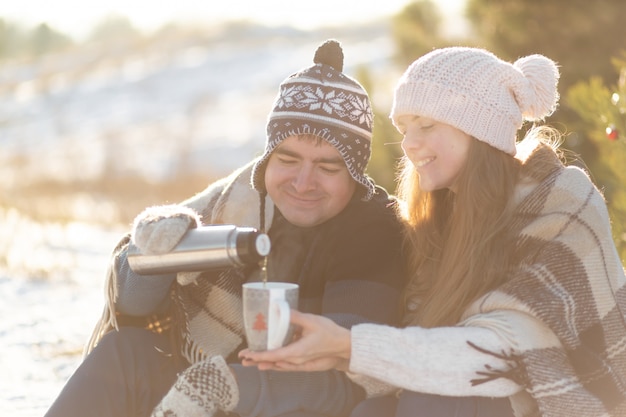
(410, 141)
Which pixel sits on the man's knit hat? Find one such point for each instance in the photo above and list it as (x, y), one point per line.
(478, 93)
(322, 101)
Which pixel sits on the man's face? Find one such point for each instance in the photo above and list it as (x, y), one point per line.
(308, 181)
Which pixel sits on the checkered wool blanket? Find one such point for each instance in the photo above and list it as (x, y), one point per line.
(567, 274)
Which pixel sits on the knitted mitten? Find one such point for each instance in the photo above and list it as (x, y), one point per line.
(200, 391)
(158, 229)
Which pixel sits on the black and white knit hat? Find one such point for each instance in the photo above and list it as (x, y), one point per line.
(322, 101)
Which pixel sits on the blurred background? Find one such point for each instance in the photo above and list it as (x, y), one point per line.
(108, 107)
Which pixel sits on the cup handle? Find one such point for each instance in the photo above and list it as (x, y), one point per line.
(278, 328)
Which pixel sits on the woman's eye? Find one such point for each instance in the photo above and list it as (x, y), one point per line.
(427, 127)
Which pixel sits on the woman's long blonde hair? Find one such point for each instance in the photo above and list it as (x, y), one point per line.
(458, 247)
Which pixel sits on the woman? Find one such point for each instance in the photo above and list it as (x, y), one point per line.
(517, 290)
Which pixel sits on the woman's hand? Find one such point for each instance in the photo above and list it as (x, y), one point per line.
(320, 345)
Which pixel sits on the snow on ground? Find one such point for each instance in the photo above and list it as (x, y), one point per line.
(45, 321)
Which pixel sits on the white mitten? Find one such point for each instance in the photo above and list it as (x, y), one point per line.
(158, 229)
(200, 391)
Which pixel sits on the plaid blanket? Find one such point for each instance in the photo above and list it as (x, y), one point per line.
(567, 274)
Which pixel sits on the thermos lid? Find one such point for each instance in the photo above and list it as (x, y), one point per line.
(252, 246)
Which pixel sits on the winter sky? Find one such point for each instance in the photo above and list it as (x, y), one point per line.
(77, 17)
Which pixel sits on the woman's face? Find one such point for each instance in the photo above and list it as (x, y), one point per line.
(437, 150)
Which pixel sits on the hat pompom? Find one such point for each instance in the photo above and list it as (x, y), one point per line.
(539, 96)
(330, 53)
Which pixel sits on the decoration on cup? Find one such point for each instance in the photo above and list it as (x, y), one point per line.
(259, 322)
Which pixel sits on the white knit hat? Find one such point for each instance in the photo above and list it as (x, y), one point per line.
(478, 93)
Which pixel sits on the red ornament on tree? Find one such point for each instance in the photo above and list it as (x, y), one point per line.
(612, 133)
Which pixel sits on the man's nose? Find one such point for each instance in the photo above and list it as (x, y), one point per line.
(304, 179)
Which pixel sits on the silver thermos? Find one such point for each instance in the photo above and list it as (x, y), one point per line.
(204, 248)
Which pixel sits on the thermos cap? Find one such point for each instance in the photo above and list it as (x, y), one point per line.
(262, 244)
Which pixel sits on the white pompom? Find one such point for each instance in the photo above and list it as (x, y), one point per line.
(537, 96)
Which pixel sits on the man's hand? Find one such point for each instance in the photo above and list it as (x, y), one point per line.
(158, 229)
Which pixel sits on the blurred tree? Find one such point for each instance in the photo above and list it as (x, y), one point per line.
(416, 30)
(11, 39)
(386, 150)
(603, 109)
(43, 39)
(17, 42)
(580, 35)
(114, 29)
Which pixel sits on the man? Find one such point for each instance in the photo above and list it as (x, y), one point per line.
(332, 231)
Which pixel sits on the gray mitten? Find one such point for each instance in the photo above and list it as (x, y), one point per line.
(200, 391)
(158, 229)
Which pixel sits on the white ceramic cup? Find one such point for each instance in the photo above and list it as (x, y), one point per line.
(266, 311)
